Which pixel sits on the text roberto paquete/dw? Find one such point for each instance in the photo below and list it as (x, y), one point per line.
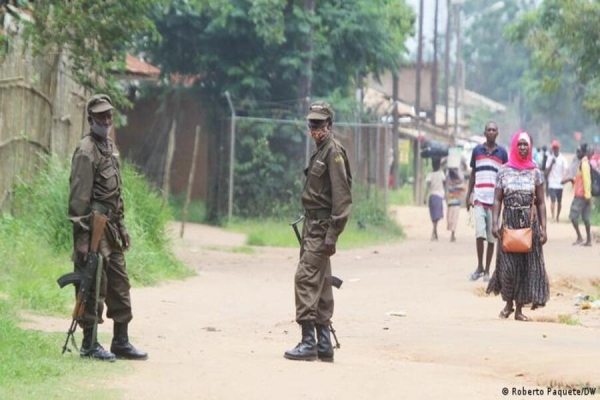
(586, 391)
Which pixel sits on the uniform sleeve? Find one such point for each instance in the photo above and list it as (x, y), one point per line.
(80, 195)
(472, 163)
(340, 192)
(121, 204)
(587, 179)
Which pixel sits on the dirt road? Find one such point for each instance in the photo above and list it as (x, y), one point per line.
(222, 334)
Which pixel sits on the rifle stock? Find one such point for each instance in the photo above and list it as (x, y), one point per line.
(98, 224)
(83, 280)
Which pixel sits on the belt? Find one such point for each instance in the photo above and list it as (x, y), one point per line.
(104, 210)
(321, 213)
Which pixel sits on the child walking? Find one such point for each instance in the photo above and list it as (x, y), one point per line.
(435, 183)
(454, 189)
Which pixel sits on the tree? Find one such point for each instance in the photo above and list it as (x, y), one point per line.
(95, 34)
(564, 39)
(257, 51)
(494, 65)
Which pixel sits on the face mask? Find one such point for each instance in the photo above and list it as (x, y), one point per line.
(100, 130)
(319, 134)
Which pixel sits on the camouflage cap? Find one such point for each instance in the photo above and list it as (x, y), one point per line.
(99, 103)
(320, 111)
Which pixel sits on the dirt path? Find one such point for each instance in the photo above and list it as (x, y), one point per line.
(222, 334)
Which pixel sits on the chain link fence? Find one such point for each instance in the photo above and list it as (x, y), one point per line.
(269, 155)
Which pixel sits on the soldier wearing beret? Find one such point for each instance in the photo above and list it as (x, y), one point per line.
(95, 185)
(327, 201)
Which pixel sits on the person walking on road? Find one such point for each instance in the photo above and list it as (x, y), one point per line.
(486, 160)
(520, 277)
(95, 185)
(556, 168)
(434, 193)
(455, 189)
(327, 201)
(582, 200)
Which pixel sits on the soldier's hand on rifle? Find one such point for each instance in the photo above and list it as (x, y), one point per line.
(125, 239)
(329, 247)
(82, 247)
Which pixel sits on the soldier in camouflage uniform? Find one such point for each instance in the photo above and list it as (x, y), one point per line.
(327, 201)
(96, 185)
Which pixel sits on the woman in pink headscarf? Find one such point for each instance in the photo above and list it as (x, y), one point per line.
(520, 277)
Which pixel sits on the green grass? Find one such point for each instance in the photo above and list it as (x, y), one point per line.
(35, 249)
(277, 233)
(368, 225)
(236, 250)
(33, 367)
(595, 217)
(401, 197)
(568, 320)
(196, 209)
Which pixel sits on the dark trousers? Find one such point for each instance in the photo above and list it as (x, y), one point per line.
(314, 294)
(114, 287)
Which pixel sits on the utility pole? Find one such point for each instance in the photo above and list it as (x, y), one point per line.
(458, 68)
(434, 72)
(395, 134)
(231, 156)
(306, 77)
(417, 164)
(447, 64)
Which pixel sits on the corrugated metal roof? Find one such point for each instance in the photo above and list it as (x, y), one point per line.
(136, 66)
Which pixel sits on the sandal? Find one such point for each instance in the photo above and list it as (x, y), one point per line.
(521, 317)
(476, 275)
(505, 314)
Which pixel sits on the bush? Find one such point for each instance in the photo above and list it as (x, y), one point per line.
(36, 243)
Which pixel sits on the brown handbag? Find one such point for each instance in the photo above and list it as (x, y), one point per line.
(519, 240)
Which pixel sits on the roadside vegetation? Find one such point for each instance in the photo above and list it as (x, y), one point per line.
(35, 249)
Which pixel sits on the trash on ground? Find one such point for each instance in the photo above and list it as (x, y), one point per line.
(396, 313)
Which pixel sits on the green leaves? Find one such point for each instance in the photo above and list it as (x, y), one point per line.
(94, 33)
(564, 39)
(260, 50)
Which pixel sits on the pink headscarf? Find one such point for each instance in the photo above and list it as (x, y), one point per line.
(514, 158)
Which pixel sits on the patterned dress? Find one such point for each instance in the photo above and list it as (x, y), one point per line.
(520, 277)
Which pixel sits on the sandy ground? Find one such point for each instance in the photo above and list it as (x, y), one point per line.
(222, 334)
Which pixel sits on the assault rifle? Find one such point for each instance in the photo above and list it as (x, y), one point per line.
(82, 280)
(335, 281)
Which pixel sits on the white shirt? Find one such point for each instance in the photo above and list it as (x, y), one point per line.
(436, 180)
(558, 171)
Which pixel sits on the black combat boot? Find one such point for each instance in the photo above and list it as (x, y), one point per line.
(306, 350)
(324, 348)
(90, 348)
(121, 347)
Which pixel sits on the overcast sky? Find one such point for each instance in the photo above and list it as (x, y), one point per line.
(428, 24)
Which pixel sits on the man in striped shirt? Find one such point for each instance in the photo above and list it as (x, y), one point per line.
(486, 160)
